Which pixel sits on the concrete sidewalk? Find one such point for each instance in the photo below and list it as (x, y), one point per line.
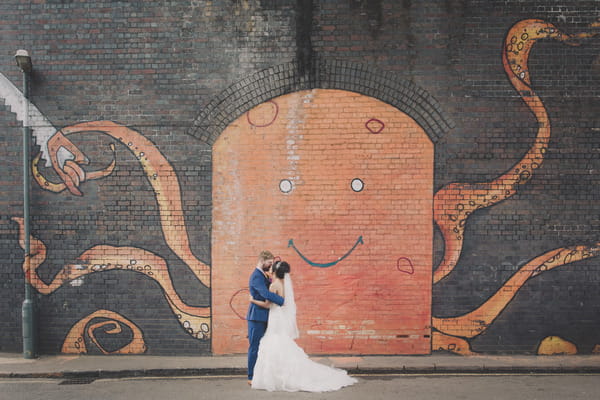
(121, 366)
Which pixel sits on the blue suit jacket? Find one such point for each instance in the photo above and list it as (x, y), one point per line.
(259, 289)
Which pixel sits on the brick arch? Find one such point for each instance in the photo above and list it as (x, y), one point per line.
(323, 74)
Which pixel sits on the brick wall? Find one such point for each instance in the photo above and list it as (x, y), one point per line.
(172, 80)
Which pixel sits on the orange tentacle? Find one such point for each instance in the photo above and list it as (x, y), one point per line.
(454, 203)
(475, 322)
(74, 343)
(441, 342)
(46, 184)
(164, 181)
(196, 320)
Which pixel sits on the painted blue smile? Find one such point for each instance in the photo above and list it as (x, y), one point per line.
(325, 265)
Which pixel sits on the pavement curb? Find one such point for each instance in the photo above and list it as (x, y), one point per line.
(204, 372)
(115, 374)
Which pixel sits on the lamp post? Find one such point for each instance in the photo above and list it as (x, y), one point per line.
(28, 310)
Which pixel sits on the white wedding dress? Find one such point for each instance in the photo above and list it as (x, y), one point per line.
(282, 365)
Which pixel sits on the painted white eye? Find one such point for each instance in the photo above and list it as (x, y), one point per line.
(357, 185)
(285, 185)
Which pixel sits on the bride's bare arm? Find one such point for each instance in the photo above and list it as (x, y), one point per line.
(263, 304)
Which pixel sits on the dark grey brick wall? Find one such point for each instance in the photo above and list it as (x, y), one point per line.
(180, 71)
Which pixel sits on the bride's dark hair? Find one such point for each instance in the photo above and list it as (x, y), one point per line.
(281, 268)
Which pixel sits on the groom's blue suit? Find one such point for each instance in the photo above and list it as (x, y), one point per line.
(258, 316)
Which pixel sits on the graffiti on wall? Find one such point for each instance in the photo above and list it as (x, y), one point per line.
(111, 323)
(340, 185)
(100, 258)
(454, 203)
(360, 241)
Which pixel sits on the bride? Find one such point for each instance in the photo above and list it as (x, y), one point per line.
(281, 363)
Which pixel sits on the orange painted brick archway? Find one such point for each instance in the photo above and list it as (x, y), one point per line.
(340, 185)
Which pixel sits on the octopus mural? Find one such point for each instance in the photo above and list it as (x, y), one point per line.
(360, 242)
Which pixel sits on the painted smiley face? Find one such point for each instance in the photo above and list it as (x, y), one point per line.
(328, 264)
(340, 186)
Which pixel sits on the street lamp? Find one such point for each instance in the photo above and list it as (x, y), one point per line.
(28, 310)
(23, 60)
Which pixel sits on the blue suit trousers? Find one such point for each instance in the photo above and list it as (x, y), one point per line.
(256, 330)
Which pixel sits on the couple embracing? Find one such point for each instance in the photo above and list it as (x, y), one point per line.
(275, 361)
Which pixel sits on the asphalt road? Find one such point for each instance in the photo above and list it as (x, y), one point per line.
(402, 387)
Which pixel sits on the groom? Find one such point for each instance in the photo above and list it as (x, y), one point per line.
(257, 316)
